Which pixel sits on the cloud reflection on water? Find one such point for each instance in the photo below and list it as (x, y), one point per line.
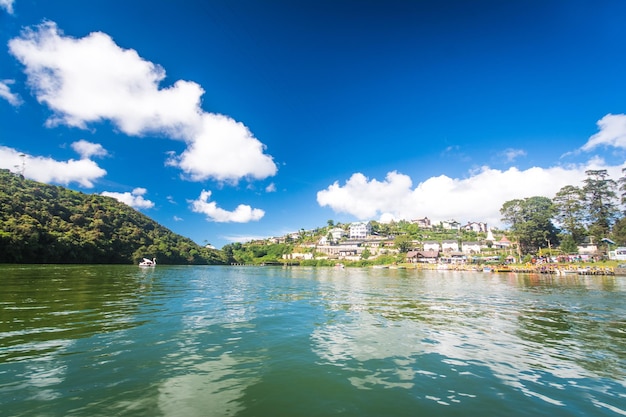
(469, 323)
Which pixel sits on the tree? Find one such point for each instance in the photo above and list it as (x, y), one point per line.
(622, 187)
(403, 243)
(600, 196)
(531, 222)
(619, 232)
(570, 211)
(330, 223)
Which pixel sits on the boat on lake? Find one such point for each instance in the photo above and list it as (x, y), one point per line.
(148, 262)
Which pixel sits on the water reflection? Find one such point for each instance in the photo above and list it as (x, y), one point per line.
(540, 342)
(210, 388)
(305, 341)
(209, 368)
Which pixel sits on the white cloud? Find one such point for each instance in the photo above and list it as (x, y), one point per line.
(48, 170)
(178, 219)
(224, 150)
(476, 198)
(134, 199)
(5, 93)
(271, 188)
(242, 214)
(612, 133)
(92, 79)
(88, 149)
(7, 5)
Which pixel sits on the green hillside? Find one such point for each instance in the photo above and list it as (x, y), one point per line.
(42, 223)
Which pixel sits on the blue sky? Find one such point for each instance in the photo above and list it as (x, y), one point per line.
(231, 120)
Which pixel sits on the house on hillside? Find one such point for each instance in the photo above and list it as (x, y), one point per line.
(422, 223)
(360, 230)
(450, 225)
(432, 246)
(478, 227)
(470, 248)
(450, 246)
(503, 243)
(337, 233)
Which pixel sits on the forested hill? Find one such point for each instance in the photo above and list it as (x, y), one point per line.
(42, 223)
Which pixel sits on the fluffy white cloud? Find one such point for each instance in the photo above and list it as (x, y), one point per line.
(242, 214)
(48, 170)
(91, 79)
(134, 199)
(5, 93)
(88, 149)
(225, 150)
(612, 133)
(476, 198)
(7, 5)
(271, 188)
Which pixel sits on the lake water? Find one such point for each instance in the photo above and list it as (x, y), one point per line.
(271, 341)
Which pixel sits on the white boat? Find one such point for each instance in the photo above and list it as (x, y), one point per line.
(148, 262)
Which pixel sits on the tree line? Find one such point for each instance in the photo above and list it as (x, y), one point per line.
(576, 215)
(42, 223)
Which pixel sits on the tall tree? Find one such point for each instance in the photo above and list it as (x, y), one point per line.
(531, 222)
(619, 232)
(570, 211)
(600, 196)
(622, 188)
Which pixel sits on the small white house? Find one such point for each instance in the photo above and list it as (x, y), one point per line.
(450, 246)
(451, 225)
(337, 233)
(469, 248)
(432, 246)
(478, 227)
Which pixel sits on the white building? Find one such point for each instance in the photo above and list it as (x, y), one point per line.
(451, 225)
(450, 246)
(360, 230)
(432, 246)
(469, 248)
(337, 233)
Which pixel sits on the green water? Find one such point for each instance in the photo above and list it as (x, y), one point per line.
(266, 341)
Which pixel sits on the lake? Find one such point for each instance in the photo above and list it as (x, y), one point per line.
(270, 341)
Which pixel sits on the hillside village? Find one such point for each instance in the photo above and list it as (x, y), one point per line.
(444, 242)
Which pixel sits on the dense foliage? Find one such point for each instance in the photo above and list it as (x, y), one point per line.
(587, 214)
(42, 223)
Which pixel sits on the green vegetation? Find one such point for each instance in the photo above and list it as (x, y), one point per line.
(585, 214)
(42, 223)
(539, 226)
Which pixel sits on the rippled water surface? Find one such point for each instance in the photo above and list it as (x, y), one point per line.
(248, 341)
